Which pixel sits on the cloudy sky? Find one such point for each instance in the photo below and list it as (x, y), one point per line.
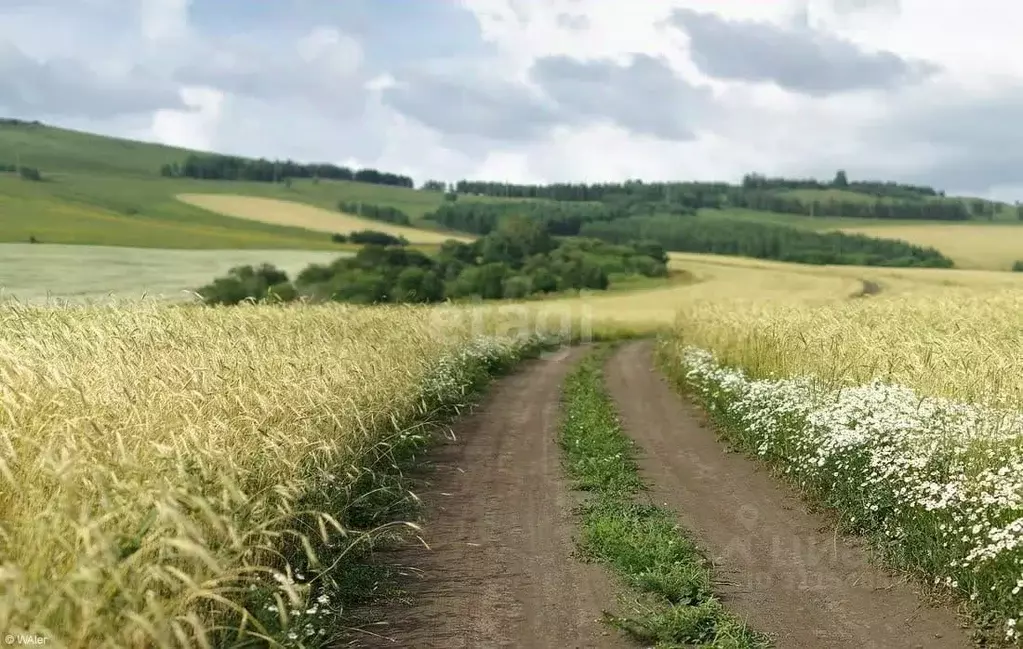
(542, 90)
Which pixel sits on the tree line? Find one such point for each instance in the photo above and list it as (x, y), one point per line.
(517, 260)
(877, 188)
(369, 237)
(936, 210)
(892, 200)
(692, 194)
(766, 241)
(222, 167)
(559, 219)
(384, 213)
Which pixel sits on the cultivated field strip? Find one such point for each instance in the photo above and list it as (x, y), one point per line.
(299, 215)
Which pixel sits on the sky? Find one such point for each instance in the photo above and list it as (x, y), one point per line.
(920, 91)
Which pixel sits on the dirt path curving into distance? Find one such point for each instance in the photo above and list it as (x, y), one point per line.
(780, 567)
(499, 521)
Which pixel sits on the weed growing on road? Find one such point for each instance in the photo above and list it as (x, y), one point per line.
(675, 606)
(937, 484)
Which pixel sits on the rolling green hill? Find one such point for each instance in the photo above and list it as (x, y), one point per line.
(99, 190)
(59, 151)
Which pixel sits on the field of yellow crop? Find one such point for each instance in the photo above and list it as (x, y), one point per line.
(164, 469)
(277, 212)
(944, 332)
(969, 245)
(168, 469)
(901, 410)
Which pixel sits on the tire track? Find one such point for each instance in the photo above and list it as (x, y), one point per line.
(499, 521)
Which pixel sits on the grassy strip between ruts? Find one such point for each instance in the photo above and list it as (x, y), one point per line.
(674, 605)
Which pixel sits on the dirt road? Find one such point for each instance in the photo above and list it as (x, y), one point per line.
(499, 522)
(779, 566)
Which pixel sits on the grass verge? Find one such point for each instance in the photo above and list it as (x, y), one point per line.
(674, 605)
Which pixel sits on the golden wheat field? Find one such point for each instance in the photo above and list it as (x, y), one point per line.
(969, 245)
(277, 212)
(154, 459)
(951, 333)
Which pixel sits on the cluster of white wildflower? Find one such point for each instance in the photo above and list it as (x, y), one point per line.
(305, 621)
(454, 374)
(939, 483)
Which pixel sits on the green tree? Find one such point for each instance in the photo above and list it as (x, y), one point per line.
(516, 287)
(841, 181)
(516, 239)
(415, 284)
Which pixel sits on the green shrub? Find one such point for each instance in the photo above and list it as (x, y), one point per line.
(373, 237)
(249, 283)
(384, 213)
(30, 173)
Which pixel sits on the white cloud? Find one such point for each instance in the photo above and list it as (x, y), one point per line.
(521, 102)
(195, 128)
(163, 21)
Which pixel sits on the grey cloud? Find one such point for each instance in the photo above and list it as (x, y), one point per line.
(797, 59)
(67, 88)
(978, 143)
(269, 67)
(853, 6)
(573, 22)
(468, 103)
(644, 96)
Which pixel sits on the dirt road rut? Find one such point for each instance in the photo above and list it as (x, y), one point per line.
(779, 566)
(501, 572)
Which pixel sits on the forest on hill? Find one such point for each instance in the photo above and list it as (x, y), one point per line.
(877, 199)
(766, 241)
(223, 167)
(691, 233)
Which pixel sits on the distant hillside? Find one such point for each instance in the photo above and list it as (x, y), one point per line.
(99, 190)
(58, 150)
(840, 197)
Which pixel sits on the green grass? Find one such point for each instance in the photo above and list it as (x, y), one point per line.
(674, 605)
(32, 273)
(57, 150)
(107, 191)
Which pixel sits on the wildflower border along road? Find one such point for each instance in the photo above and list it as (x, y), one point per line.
(935, 485)
(639, 541)
(782, 568)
